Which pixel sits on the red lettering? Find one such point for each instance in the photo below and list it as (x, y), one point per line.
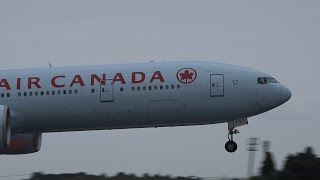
(95, 77)
(142, 77)
(33, 81)
(77, 80)
(5, 83)
(18, 83)
(54, 82)
(119, 77)
(157, 75)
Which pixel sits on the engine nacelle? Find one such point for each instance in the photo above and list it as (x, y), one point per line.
(5, 127)
(23, 144)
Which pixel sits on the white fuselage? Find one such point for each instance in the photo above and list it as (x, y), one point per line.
(134, 95)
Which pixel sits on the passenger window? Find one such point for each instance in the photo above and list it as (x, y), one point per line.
(150, 87)
(53, 92)
(47, 93)
(155, 87)
(64, 92)
(167, 86)
(2, 95)
(19, 94)
(75, 91)
(25, 94)
(8, 94)
(178, 86)
(132, 89)
(161, 87)
(138, 88)
(59, 92)
(172, 86)
(70, 91)
(144, 88)
(36, 93)
(121, 89)
(30, 93)
(42, 93)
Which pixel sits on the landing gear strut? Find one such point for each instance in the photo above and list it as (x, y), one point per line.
(231, 146)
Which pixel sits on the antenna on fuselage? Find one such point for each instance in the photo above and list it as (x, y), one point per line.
(50, 65)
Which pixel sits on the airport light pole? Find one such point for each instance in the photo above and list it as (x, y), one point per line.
(252, 148)
(266, 146)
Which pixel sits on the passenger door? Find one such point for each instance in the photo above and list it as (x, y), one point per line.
(217, 85)
(106, 91)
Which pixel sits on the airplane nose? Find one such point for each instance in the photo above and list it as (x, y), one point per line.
(285, 94)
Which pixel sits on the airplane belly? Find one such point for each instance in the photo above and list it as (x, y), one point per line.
(115, 115)
(162, 112)
(91, 117)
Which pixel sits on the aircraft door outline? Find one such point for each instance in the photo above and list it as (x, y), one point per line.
(217, 85)
(106, 91)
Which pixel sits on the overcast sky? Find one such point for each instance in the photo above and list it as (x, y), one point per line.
(281, 38)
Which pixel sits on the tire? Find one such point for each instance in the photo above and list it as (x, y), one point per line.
(231, 146)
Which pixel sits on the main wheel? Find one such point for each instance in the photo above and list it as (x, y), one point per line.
(231, 146)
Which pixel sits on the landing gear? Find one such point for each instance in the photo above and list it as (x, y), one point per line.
(231, 146)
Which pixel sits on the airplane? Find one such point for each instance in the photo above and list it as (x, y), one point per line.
(123, 96)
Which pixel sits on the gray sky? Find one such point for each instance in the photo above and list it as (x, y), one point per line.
(281, 38)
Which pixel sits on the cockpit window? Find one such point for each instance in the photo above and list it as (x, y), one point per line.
(266, 80)
(260, 80)
(272, 80)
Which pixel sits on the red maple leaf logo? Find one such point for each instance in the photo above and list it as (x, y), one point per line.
(186, 75)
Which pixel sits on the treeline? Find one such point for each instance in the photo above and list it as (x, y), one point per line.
(301, 166)
(119, 176)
